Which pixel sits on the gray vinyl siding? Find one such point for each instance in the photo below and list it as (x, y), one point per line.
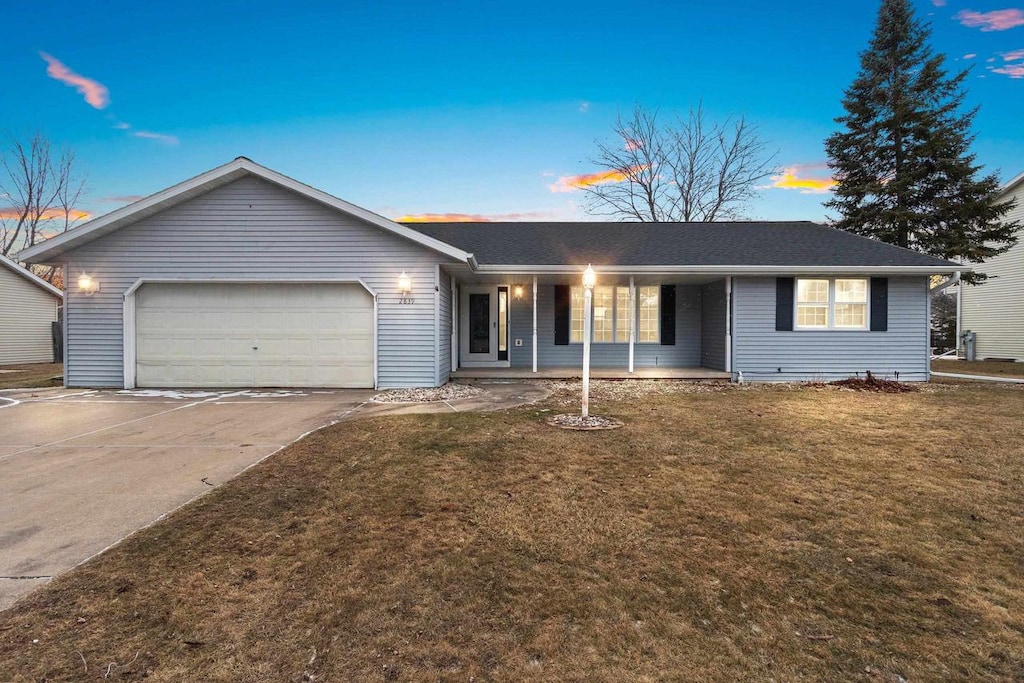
(994, 310)
(713, 321)
(254, 230)
(763, 354)
(686, 353)
(444, 337)
(27, 312)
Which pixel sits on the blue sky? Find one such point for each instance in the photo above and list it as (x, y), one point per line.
(451, 107)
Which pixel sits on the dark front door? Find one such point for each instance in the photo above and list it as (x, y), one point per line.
(479, 323)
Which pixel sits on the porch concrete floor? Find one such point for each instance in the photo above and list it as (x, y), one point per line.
(596, 373)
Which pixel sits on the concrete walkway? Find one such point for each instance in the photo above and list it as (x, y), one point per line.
(81, 470)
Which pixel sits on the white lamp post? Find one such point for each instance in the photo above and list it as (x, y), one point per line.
(589, 280)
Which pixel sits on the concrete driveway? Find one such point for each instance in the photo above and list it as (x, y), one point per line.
(80, 470)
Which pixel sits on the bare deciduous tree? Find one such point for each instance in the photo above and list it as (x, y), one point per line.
(39, 193)
(690, 170)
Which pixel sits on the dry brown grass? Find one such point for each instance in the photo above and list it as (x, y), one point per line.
(979, 367)
(752, 534)
(31, 376)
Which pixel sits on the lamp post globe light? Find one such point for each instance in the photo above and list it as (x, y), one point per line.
(589, 280)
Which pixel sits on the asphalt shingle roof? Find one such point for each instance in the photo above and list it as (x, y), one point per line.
(796, 243)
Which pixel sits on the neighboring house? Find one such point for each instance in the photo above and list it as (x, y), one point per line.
(244, 277)
(994, 310)
(28, 308)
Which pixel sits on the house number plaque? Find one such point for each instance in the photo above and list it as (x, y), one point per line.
(407, 300)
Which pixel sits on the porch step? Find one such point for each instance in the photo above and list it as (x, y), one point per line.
(701, 374)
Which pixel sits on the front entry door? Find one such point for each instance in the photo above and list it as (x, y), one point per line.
(481, 344)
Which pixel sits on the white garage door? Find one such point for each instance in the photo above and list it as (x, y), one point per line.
(254, 335)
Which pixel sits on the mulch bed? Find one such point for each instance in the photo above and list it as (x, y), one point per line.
(872, 383)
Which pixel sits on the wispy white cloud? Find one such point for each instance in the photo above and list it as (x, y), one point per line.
(150, 135)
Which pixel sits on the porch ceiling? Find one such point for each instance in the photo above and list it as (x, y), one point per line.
(465, 275)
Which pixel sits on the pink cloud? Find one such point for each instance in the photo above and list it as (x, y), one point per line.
(168, 139)
(970, 56)
(996, 20)
(1011, 70)
(1013, 56)
(939, 3)
(96, 94)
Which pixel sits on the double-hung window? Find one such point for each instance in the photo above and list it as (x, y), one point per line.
(832, 304)
(615, 313)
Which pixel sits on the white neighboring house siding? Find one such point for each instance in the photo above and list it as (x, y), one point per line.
(27, 312)
(760, 352)
(251, 229)
(994, 311)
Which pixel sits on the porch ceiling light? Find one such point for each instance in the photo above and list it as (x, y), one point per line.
(87, 285)
(589, 277)
(404, 283)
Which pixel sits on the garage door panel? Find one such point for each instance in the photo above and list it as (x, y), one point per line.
(237, 335)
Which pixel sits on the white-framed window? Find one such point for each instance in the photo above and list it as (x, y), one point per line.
(648, 318)
(613, 316)
(832, 304)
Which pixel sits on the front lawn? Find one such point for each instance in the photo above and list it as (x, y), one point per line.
(979, 367)
(31, 375)
(723, 534)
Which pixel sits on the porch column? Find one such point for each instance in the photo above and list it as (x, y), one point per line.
(535, 323)
(632, 320)
(728, 324)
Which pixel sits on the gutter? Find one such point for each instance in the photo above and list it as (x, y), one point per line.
(510, 269)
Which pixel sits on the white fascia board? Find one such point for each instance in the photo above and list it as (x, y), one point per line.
(211, 179)
(1005, 189)
(721, 270)
(31, 277)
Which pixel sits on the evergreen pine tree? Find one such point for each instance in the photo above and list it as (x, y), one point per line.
(903, 163)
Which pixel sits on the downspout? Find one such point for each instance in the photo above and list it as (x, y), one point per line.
(955, 280)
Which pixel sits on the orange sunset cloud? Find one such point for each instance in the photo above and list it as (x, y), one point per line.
(789, 180)
(471, 217)
(14, 213)
(96, 94)
(574, 183)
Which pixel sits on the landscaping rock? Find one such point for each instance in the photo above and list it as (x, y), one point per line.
(449, 392)
(578, 422)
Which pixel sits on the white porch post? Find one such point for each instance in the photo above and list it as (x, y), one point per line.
(632, 320)
(535, 323)
(728, 324)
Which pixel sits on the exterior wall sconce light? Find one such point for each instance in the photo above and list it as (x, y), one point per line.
(404, 284)
(87, 285)
(518, 291)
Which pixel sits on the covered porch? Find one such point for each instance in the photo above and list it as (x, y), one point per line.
(643, 325)
(598, 373)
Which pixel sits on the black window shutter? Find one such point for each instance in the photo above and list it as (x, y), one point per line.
(879, 304)
(784, 295)
(563, 310)
(668, 315)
